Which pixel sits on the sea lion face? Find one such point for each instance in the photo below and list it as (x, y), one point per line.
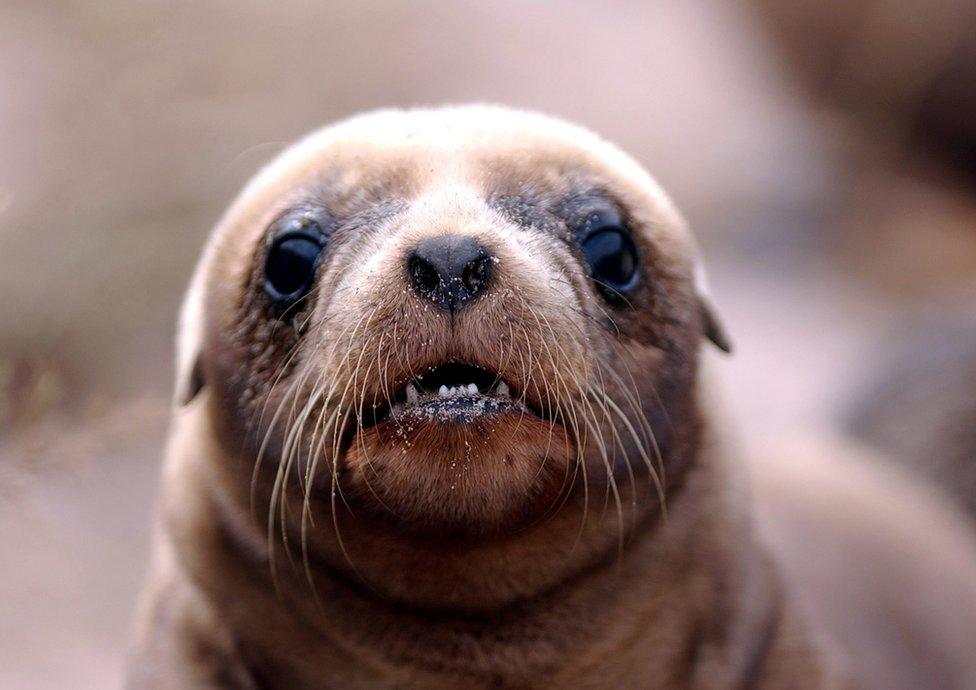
(450, 326)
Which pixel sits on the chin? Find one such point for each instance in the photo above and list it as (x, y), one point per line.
(451, 459)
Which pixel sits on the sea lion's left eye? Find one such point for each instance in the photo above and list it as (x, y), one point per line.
(293, 258)
(612, 258)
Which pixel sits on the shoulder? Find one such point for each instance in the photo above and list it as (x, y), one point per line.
(879, 561)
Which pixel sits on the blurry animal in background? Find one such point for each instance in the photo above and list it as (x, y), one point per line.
(919, 404)
(441, 424)
(899, 76)
(894, 80)
(904, 70)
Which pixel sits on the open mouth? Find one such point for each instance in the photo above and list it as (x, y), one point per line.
(453, 392)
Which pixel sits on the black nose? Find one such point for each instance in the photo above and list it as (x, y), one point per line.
(450, 270)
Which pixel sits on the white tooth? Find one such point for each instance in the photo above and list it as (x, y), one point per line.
(472, 389)
(412, 395)
(503, 389)
(442, 391)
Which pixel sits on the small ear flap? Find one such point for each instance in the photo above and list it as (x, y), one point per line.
(189, 345)
(189, 384)
(714, 330)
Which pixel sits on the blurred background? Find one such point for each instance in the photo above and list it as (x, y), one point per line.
(824, 152)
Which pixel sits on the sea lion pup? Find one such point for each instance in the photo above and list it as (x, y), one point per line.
(439, 426)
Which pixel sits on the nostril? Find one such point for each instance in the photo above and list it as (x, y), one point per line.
(476, 274)
(424, 276)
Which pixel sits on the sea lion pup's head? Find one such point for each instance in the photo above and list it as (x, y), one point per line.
(457, 348)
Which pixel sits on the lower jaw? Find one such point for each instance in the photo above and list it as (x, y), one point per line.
(437, 473)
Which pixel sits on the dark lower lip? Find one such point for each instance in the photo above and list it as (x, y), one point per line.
(462, 409)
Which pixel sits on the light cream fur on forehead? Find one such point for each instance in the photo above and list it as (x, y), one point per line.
(443, 135)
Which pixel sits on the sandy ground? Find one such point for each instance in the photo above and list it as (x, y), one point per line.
(75, 528)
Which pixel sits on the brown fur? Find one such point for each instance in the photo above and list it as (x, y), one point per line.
(918, 403)
(605, 543)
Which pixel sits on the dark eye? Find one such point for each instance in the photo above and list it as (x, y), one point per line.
(290, 267)
(611, 254)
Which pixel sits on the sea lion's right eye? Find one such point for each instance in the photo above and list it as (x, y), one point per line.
(293, 258)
